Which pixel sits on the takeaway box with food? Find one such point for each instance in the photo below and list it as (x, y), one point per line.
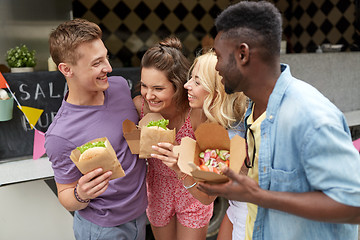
(210, 136)
(141, 138)
(104, 157)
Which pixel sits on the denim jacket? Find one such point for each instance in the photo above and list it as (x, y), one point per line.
(305, 146)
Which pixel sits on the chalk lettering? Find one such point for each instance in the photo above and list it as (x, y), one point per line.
(51, 87)
(65, 89)
(39, 91)
(53, 114)
(47, 122)
(22, 90)
(25, 124)
(40, 122)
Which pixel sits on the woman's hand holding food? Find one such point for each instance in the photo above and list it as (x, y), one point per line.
(167, 156)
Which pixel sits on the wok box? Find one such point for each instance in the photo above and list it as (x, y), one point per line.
(141, 139)
(210, 136)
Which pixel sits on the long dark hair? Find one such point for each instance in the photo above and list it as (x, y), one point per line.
(167, 57)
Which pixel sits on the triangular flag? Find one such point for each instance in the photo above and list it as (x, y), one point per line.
(357, 144)
(31, 114)
(3, 82)
(39, 141)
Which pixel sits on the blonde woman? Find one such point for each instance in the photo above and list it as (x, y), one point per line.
(206, 92)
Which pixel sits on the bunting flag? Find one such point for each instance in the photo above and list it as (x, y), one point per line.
(39, 141)
(31, 114)
(3, 83)
(357, 144)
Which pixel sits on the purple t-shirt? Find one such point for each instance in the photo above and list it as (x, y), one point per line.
(125, 199)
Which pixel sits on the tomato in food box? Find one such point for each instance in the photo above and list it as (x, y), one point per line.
(189, 152)
(212, 160)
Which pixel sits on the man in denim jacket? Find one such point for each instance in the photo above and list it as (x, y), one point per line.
(304, 172)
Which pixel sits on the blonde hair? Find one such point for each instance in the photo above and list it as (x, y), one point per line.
(227, 110)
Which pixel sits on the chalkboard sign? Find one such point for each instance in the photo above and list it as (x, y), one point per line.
(42, 90)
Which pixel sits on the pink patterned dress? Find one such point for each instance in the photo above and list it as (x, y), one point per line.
(168, 197)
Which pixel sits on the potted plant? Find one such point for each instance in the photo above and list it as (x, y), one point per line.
(21, 59)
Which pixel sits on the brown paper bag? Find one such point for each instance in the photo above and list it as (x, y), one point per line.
(140, 138)
(132, 135)
(189, 150)
(108, 160)
(152, 136)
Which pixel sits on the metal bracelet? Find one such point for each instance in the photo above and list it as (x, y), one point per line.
(191, 186)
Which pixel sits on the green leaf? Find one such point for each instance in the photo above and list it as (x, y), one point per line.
(20, 56)
(87, 146)
(160, 123)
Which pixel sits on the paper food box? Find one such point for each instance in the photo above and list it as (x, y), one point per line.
(141, 138)
(106, 159)
(210, 136)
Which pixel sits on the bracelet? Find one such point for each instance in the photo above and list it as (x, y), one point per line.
(191, 186)
(78, 198)
(183, 177)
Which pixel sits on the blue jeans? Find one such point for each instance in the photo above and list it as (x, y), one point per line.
(86, 230)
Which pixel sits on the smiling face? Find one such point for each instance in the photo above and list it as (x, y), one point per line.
(157, 90)
(92, 67)
(226, 65)
(196, 91)
(88, 77)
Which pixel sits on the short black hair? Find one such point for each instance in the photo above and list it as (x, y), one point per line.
(256, 23)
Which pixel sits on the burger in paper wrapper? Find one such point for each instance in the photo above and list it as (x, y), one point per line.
(97, 153)
(153, 133)
(151, 130)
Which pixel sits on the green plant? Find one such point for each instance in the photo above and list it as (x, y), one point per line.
(20, 56)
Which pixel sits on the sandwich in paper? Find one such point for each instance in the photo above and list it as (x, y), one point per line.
(151, 130)
(95, 154)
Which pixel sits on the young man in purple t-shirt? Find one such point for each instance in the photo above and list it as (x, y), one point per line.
(95, 106)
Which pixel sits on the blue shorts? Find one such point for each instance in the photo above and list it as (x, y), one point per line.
(85, 230)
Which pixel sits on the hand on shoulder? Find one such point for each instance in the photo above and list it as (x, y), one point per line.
(138, 102)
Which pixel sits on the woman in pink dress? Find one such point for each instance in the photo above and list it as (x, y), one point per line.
(173, 211)
(206, 92)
